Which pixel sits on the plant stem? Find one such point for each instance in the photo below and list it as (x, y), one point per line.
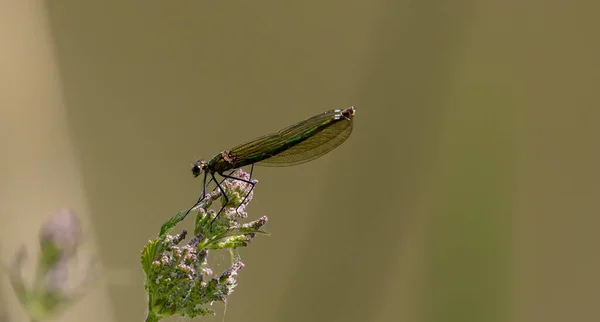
(152, 317)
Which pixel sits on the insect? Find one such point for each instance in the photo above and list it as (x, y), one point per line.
(296, 144)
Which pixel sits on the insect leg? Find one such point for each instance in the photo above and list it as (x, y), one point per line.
(224, 195)
(201, 197)
(243, 180)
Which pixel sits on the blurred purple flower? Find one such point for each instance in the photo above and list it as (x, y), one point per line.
(53, 285)
(63, 231)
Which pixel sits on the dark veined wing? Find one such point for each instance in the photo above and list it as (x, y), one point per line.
(266, 144)
(313, 147)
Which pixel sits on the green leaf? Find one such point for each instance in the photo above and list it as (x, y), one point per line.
(149, 253)
(230, 243)
(201, 220)
(241, 231)
(18, 286)
(232, 238)
(171, 223)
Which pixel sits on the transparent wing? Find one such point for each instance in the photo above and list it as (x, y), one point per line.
(313, 147)
(271, 141)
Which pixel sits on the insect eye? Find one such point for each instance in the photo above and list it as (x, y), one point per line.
(196, 170)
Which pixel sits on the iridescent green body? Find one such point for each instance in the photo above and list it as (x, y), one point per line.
(299, 143)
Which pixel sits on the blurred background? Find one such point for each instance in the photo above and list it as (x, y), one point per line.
(468, 190)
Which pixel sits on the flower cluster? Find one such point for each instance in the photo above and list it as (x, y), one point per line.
(181, 282)
(240, 193)
(178, 278)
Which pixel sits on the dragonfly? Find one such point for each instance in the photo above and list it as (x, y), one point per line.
(296, 144)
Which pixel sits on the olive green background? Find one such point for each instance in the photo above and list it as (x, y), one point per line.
(468, 190)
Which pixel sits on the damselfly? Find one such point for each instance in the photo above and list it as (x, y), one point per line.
(299, 143)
